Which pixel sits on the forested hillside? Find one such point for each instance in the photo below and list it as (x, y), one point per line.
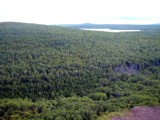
(60, 73)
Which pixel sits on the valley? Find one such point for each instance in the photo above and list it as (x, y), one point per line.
(50, 72)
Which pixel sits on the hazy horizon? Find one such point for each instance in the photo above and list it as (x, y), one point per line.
(80, 11)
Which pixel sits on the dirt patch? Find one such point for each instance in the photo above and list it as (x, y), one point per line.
(141, 113)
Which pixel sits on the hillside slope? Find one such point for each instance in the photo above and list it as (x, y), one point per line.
(75, 73)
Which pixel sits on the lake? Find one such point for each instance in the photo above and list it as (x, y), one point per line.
(108, 30)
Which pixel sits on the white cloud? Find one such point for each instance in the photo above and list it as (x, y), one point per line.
(79, 11)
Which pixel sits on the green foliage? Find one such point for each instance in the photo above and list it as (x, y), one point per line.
(98, 96)
(51, 72)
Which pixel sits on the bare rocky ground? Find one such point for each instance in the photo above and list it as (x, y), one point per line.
(141, 113)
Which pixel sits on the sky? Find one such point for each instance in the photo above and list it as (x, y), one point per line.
(80, 11)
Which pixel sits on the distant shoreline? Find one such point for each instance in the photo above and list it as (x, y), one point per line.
(108, 30)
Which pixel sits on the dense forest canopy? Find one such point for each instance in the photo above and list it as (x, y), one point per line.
(52, 72)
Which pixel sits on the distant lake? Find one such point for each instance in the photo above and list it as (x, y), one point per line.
(108, 30)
